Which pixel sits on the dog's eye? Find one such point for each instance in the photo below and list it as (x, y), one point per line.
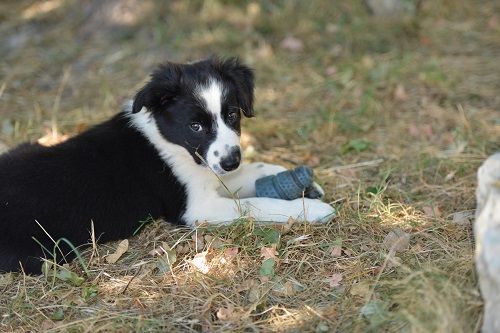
(196, 127)
(232, 116)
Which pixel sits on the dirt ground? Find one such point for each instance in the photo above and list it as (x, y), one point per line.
(394, 114)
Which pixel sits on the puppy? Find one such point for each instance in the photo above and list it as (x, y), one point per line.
(166, 155)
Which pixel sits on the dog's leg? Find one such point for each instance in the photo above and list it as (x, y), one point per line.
(242, 181)
(223, 210)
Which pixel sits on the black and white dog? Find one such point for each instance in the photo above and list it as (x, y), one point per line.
(159, 157)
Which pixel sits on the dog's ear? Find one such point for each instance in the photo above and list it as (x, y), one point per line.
(243, 79)
(160, 90)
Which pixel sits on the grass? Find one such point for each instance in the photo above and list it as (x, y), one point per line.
(395, 116)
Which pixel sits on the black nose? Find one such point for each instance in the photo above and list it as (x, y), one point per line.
(232, 161)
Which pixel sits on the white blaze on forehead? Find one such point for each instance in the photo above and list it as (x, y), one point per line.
(212, 95)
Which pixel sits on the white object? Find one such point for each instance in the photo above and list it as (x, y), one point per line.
(487, 233)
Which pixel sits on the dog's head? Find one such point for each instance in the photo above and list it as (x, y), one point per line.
(198, 106)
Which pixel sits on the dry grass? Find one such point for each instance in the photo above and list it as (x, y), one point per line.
(415, 98)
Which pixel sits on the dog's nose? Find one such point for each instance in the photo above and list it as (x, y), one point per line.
(232, 161)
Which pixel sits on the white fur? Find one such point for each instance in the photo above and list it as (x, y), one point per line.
(242, 181)
(212, 96)
(204, 203)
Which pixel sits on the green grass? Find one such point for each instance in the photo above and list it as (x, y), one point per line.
(395, 116)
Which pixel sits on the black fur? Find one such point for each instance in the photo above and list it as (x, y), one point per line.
(110, 174)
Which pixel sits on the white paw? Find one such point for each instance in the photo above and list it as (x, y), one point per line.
(317, 211)
(266, 169)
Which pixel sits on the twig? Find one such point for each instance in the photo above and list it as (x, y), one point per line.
(130, 281)
(356, 165)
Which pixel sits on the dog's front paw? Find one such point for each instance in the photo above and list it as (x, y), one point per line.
(317, 211)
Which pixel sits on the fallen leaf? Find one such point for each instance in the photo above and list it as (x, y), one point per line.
(357, 145)
(331, 70)
(393, 261)
(397, 240)
(120, 250)
(400, 93)
(268, 252)
(427, 131)
(160, 250)
(348, 252)
(230, 253)
(57, 314)
(287, 288)
(493, 22)
(267, 268)
(200, 262)
(64, 274)
(336, 251)
(463, 218)
(431, 211)
(213, 242)
(267, 236)
(293, 44)
(182, 249)
(166, 260)
(413, 130)
(449, 176)
(334, 280)
(254, 294)
(226, 314)
(285, 228)
(199, 242)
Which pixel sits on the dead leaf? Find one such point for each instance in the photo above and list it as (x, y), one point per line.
(268, 252)
(213, 242)
(336, 251)
(400, 93)
(334, 280)
(230, 253)
(199, 242)
(287, 289)
(450, 176)
(120, 250)
(182, 249)
(427, 131)
(331, 70)
(200, 262)
(159, 250)
(227, 314)
(413, 130)
(431, 211)
(293, 44)
(348, 252)
(393, 261)
(285, 228)
(493, 22)
(463, 218)
(397, 240)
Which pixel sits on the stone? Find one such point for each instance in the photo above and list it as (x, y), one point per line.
(487, 234)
